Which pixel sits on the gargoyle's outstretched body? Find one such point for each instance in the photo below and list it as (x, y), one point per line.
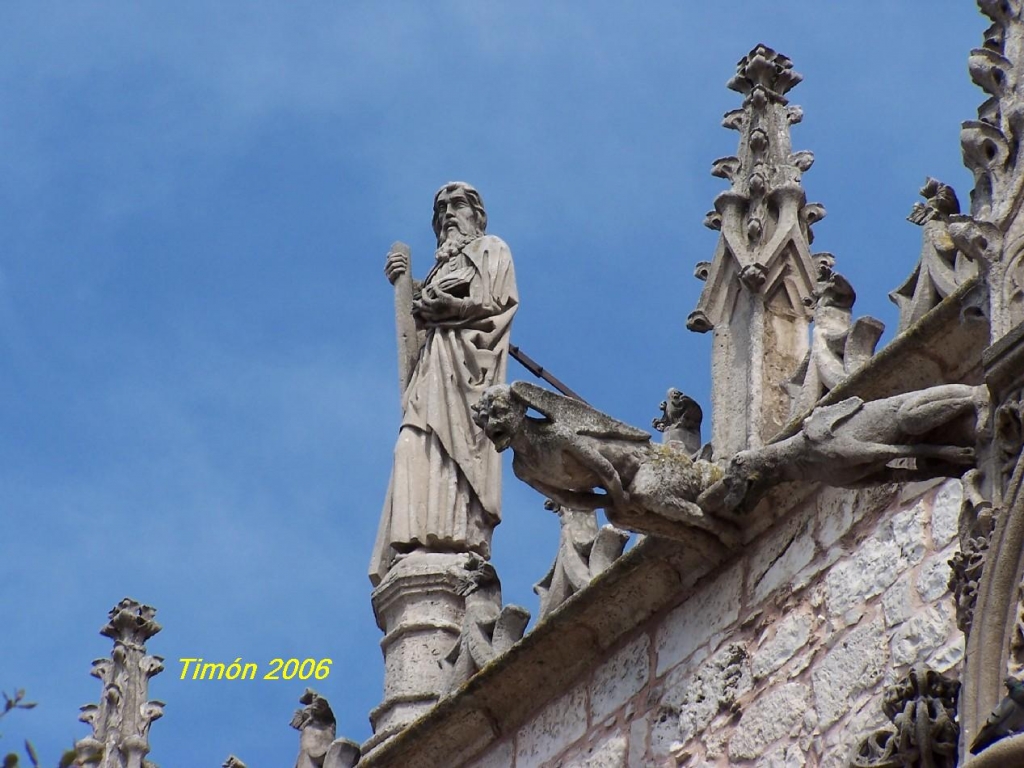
(850, 444)
(572, 451)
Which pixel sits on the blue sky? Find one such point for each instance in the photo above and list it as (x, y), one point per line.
(198, 392)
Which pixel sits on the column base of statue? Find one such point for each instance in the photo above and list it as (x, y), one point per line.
(419, 606)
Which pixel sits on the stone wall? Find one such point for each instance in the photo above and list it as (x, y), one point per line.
(779, 658)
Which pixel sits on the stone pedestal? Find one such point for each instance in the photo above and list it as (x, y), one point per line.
(419, 605)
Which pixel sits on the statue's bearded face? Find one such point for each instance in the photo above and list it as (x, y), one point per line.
(455, 215)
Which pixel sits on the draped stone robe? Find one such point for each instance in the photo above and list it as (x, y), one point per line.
(445, 488)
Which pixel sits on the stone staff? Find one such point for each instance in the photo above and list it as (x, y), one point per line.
(405, 324)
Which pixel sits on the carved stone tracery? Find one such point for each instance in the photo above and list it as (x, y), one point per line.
(924, 731)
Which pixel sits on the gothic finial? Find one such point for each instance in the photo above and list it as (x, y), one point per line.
(121, 721)
(759, 288)
(765, 69)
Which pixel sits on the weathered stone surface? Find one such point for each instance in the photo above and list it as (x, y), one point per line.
(638, 741)
(790, 756)
(664, 732)
(852, 582)
(556, 727)
(897, 602)
(908, 532)
(693, 623)
(610, 754)
(946, 513)
(790, 552)
(500, 756)
(921, 707)
(922, 634)
(835, 515)
(680, 421)
(933, 577)
(913, 491)
(948, 656)
(714, 688)
(854, 664)
(342, 753)
(838, 742)
(620, 678)
(769, 718)
(791, 634)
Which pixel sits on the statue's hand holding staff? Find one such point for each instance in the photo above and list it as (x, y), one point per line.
(396, 265)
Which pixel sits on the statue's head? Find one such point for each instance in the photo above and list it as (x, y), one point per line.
(458, 209)
(500, 415)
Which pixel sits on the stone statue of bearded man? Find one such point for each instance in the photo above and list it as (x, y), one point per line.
(445, 489)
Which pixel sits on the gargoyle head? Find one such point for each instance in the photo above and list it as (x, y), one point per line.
(499, 415)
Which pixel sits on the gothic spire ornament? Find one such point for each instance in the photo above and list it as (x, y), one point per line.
(760, 284)
(122, 718)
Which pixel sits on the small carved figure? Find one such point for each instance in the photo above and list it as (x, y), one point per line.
(488, 629)
(680, 421)
(584, 551)
(1006, 719)
(941, 267)
(850, 444)
(839, 344)
(316, 725)
(573, 449)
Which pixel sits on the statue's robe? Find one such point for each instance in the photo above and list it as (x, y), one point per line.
(445, 488)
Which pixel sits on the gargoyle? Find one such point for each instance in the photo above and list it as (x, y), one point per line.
(851, 444)
(572, 450)
(680, 421)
